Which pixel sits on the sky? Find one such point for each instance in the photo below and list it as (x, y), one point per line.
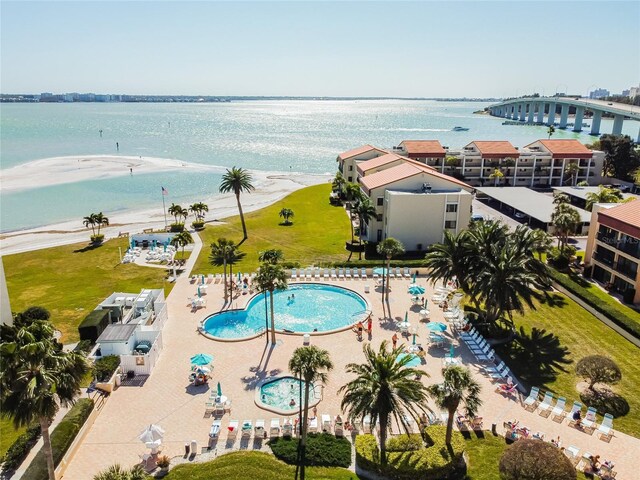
(305, 48)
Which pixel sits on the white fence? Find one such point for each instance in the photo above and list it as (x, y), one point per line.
(143, 364)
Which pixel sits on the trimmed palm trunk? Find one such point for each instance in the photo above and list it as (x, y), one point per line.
(384, 422)
(273, 321)
(387, 275)
(46, 447)
(449, 434)
(224, 276)
(244, 227)
(305, 426)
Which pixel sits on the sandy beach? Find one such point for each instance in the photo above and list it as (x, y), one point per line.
(270, 187)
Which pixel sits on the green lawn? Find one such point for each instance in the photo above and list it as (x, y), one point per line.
(317, 235)
(71, 280)
(484, 454)
(8, 434)
(605, 297)
(252, 466)
(558, 334)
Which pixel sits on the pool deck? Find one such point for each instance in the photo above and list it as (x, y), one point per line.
(167, 399)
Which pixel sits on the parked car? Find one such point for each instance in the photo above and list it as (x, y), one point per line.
(520, 215)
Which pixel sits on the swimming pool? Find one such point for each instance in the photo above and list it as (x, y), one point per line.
(302, 308)
(277, 395)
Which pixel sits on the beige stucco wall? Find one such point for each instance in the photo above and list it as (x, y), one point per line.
(349, 166)
(6, 318)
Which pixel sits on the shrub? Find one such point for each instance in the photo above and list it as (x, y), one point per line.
(405, 443)
(561, 257)
(613, 314)
(94, 324)
(19, 449)
(61, 439)
(598, 369)
(105, 367)
(35, 313)
(323, 450)
(176, 227)
(198, 224)
(434, 461)
(97, 239)
(163, 461)
(83, 346)
(535, 460)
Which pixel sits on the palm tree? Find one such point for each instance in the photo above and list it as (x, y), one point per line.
(286, 214)
(384, 386)
(310, 364)
(603, 195)
(237, 180)
(90, 221)
(338, 183)
(36, 376)
(450, 259)
(542, 242)
(269, 279)
(458, 386)
(497, 175)
(572, 170)
(272, 256)
(182, 239)
(199, 209)
(451, 162)
(235, 255)
(184, 213)
(175, 210)
(116, 472)
(365, 211)
(551, 130)
(559, 198)
(389, 248)
(100, 221)
(221, 252)
(352, 193)
(565, 218)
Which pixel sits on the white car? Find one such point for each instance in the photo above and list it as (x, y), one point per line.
(520, 215)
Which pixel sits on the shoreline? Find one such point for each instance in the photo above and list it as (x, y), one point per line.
(269, 188)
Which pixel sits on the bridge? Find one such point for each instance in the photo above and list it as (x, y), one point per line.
(532, 110)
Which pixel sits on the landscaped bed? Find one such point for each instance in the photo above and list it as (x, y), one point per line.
(322, 450)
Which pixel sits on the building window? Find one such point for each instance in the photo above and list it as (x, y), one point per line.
(452, 207)
(379, 217)
(380, 201)
(350, 179)
(379, 235)
(351, 168)
(450, 224)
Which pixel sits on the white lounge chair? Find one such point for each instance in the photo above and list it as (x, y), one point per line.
(366, 424)
(341, 273)
(606, 427)
(355, 273)
(294, 274)
(407, 274)
(210, 278)
(218, 278)
(259, 428)
(391, 273)
(232, 428)
(326, 423)
(313, 425)
(325, 275)
(287, 428)
(317, 273)
(589, 420)
(546, 404)
(504, 373)
(215, 429)
(338, 426)
(363, 273)
(532, 399)
(398, 273)
(490, 369)
(247, 426)
(347, 273)
(558, 410)
(576, 407)
(333, 273)
(274, 429)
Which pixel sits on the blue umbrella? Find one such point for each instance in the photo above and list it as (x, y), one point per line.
(239, 277)
(452, 351)
(219, 390)
(406, 317)
(164, 246)
(201, 359)
(380, 271)
(436, 326)
(133, 244)
(413, 280)
(199, 293)
(414, 362)
(416, 290)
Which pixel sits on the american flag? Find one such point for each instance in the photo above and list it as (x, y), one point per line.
(165, 191)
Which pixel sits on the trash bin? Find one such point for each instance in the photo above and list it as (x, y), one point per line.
(306, 338)
(186, 449)
(194, 447)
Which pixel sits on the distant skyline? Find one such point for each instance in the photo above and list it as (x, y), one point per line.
(373, 49)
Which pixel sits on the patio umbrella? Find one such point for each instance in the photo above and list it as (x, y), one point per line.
(133, 244)
(416, 290)
(406, 317)
(164, 247)
(201, 359)
(153, 433)
(436, 326)
(415, 334)
(199, 293)
(414, 362)
(413, 280)
(451, 351)
(219, 390)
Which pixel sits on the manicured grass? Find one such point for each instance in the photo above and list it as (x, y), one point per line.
(9, 434)
(614, 303)
(323, 449)
(483, 453)
(252, 466)
(71, 280)
(317, 235)
(558, 334)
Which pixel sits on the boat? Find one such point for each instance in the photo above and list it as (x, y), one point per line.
(459, 129)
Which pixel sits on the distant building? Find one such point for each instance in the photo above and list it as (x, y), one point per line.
(347, 161)
(613, 247)
(599, 93)
(634, 91)
(625, 93)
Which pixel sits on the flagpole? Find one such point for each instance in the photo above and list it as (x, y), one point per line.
(165, 209)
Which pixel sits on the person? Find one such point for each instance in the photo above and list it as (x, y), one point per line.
(445, 306)
(360, 328)
(556, 441)
(100, 133)
(293, 296)
(423, 420)
(117, 146)
(594, 463)
(130, 171)
(422, 301)
(292, 402)
(369, 325)
(394, 340)
(348, 426)
(512, 424)
(315, 412)
(264, 397)
(577, 418)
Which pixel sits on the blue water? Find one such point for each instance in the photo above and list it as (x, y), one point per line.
(287, 135)
(279, 393)
(315, 306)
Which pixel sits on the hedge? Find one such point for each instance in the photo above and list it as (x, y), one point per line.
(104, 367)
(19, 449)
(434, 461)
(323, 450)
(94, 324)
(61, 439)
(616, 316)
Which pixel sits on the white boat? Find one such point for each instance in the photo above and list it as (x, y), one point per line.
(459, 129)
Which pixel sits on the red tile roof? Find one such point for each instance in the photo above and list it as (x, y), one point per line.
(358, 151)
(423, 148)
(567, 148)
(496, 149)
(624, 218)
(378, 162)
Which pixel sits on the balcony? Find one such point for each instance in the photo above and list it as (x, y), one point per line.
(632, 249)
(607, 239)
(625, 269)
(605, 259)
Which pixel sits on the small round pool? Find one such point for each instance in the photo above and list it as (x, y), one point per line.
(277, 395)
(302, 308)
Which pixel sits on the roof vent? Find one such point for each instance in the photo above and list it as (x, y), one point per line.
(426, 188)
